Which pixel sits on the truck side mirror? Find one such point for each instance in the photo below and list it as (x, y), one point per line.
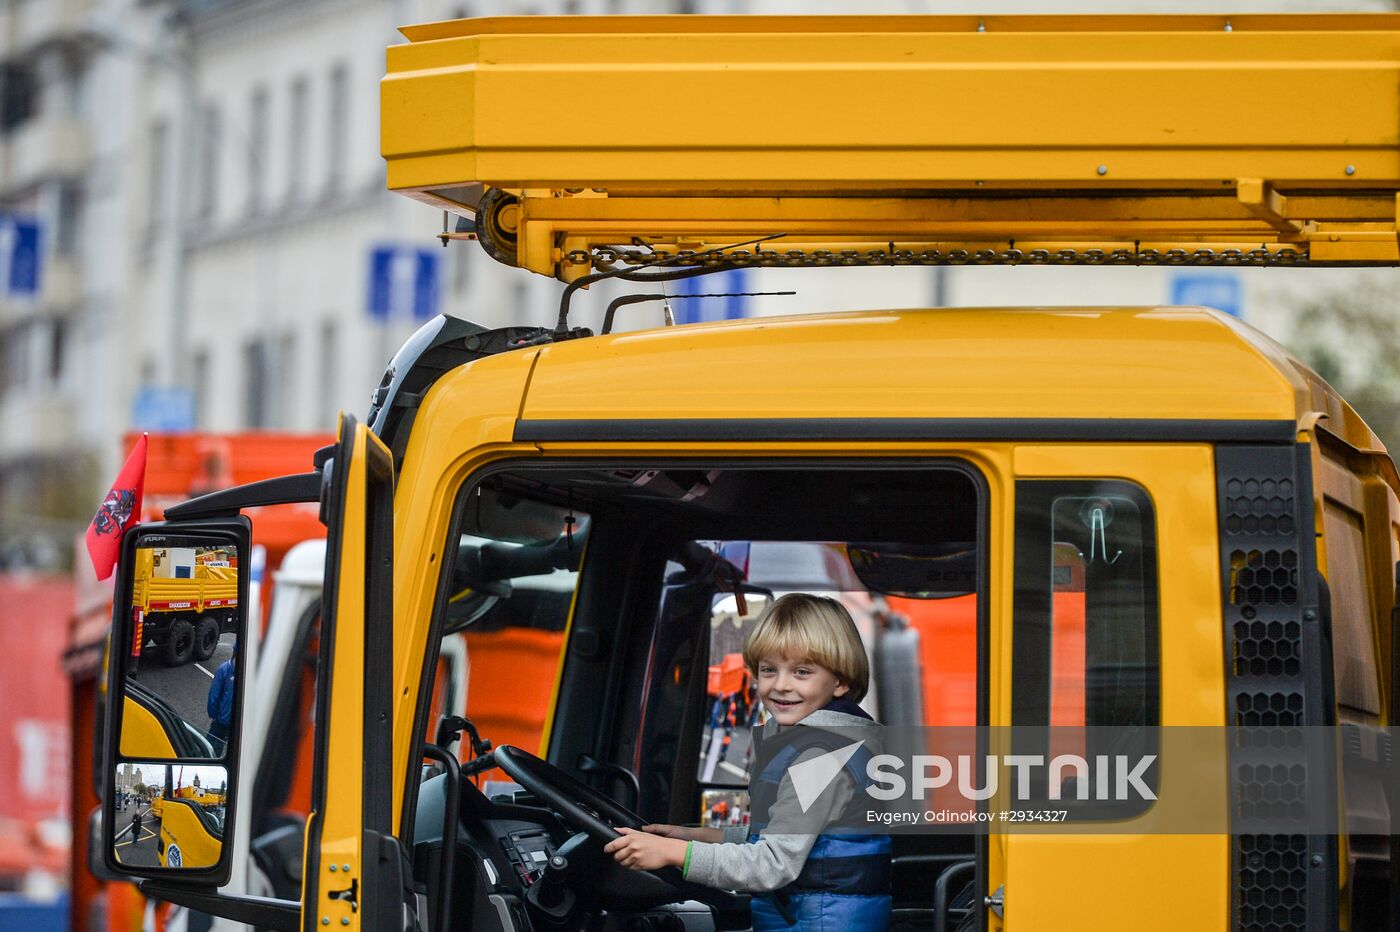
(175, 691)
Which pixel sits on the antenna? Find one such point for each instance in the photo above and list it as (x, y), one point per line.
(561, 329)
(639, 298)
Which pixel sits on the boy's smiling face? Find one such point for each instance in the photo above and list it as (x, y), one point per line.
(792, 689)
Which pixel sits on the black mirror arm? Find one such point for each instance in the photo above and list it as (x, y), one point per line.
(258, 911)
(282, 490)
(453, 725)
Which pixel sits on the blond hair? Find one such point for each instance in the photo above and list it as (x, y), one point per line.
(809, 627)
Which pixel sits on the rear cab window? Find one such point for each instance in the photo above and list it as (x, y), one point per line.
(1085, 654)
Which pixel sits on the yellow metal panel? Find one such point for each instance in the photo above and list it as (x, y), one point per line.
(769, 98)
(466, 420)
(738, 108)
(693, 25)
(342, 821)
(1046, 363)
(142, 734)
(1183, 884)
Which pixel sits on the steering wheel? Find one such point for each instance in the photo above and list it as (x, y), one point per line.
(573, 799)
(562, 792)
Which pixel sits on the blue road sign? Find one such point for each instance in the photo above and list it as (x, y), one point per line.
(163, 409)
(403, 283)
(700, 310)
(19, 256)
(1220, 290)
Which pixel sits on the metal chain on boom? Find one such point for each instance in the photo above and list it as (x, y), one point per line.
(606, 256)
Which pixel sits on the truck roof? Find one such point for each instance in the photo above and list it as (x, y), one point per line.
(970, 373)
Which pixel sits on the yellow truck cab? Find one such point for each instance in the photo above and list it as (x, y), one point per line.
(1096, 520)
(184, 602)
(191, 834)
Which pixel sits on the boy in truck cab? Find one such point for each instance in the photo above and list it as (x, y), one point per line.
(812, 670)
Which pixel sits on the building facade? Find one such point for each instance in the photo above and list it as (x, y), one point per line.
(217, 249)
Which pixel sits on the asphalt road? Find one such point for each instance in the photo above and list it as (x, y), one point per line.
(138, 852)
(186, 688)
(732, 769)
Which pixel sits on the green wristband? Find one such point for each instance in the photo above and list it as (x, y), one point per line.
(685, 868)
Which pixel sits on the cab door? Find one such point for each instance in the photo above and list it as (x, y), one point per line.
(1115, 628)
(355, 870)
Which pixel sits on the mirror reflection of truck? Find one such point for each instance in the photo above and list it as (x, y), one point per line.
(155, 730)
(191, 817)
(183, 602)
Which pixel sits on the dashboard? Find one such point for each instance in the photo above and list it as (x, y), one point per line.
(517, 866)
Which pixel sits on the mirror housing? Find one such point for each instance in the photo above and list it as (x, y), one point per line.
(174, 700)
(924, 571)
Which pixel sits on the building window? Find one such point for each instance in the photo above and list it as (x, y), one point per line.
(70, 214)
(14, 357)
(338, 127)
(296, 140)
(287, 379)
(18, 95)
(255, 374)
(58, 349)
(258, 126)
(158, 139)
(329, 376)
(211, 145)
(202, 379)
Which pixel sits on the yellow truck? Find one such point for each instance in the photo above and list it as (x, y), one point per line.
(191, 825)
(1220, 527)
(191, 835)
(183, 601)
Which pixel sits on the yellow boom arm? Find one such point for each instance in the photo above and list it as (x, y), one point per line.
(586, 141)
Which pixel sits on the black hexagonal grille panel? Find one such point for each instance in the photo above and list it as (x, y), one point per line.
(1273, 882)
(1263, 507)
(1267, 648)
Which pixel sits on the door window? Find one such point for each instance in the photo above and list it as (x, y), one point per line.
(1085, 626)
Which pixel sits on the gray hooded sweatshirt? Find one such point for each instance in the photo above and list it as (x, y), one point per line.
(775, 860)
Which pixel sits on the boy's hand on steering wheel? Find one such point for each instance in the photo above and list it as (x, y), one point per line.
(643, 851)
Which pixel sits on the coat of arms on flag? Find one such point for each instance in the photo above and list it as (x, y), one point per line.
(120, 509)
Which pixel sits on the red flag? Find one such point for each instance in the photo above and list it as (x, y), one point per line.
(118, 511)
